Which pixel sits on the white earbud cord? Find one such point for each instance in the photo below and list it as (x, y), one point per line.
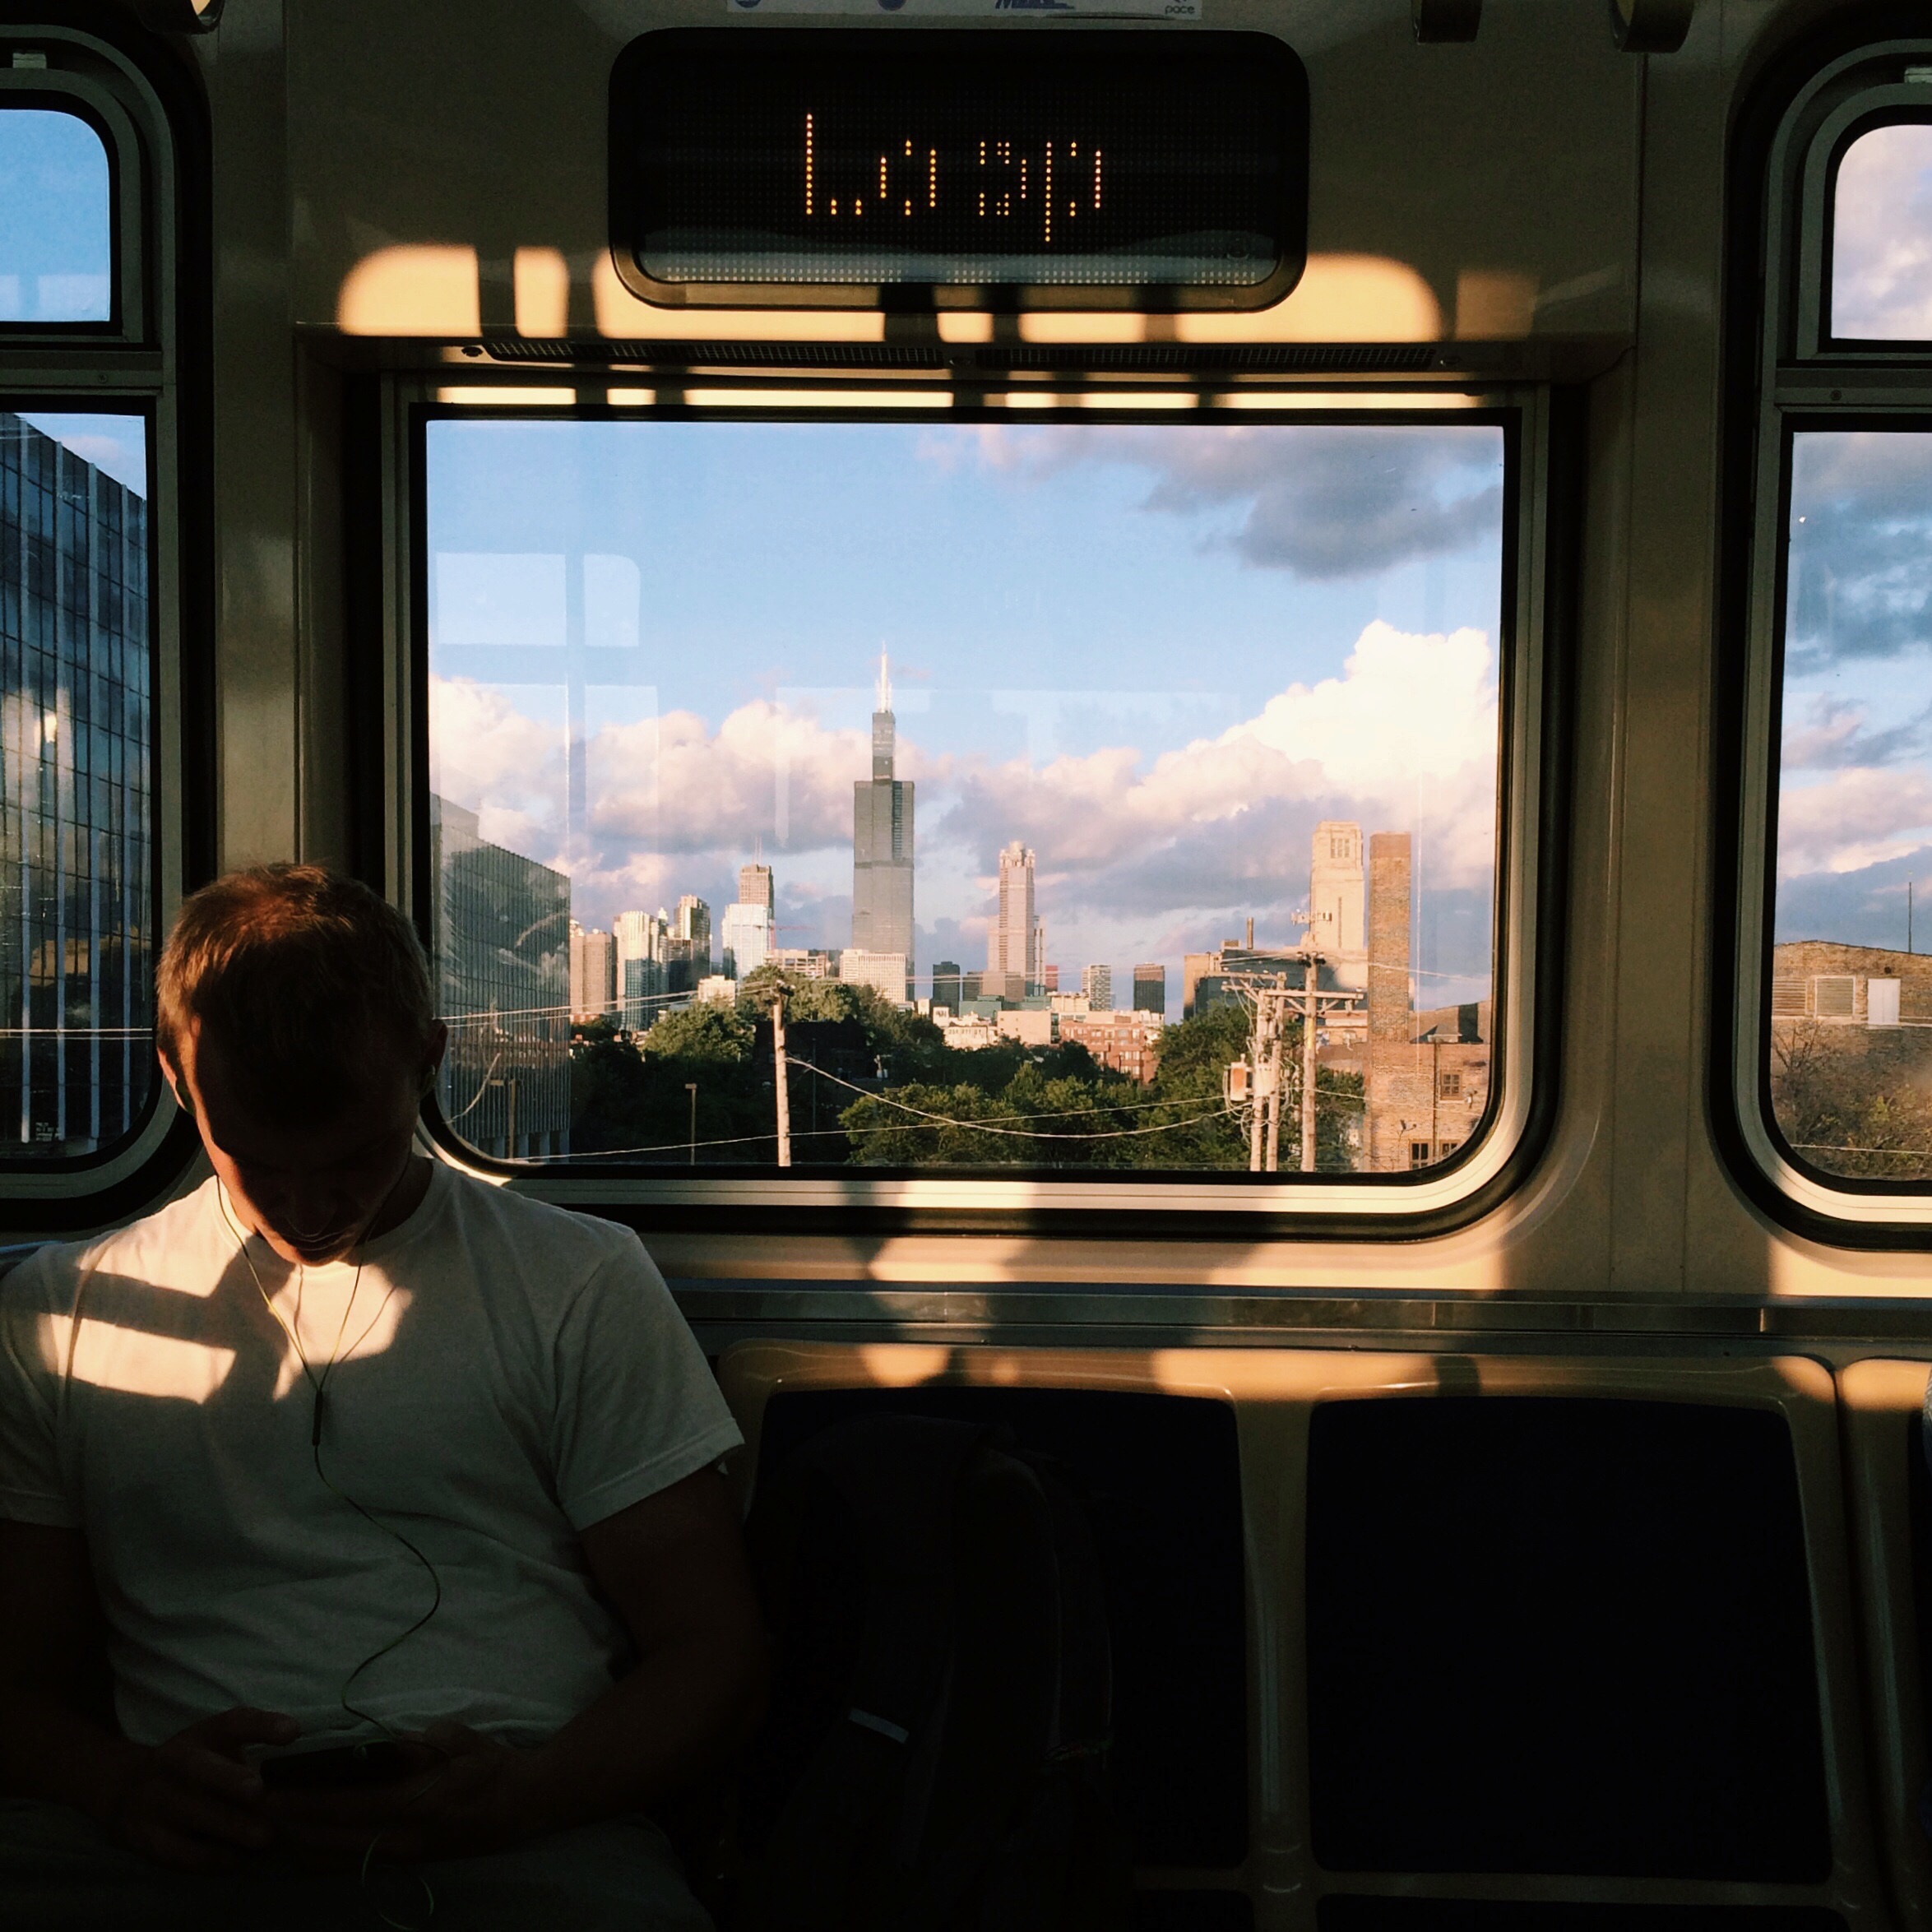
(319, 1385)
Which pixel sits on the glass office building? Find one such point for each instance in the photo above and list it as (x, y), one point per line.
(76, 893)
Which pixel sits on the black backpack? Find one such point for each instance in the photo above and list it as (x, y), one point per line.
(935, 1756)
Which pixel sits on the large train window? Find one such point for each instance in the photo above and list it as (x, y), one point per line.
(1834, 1040)
(904, 785)
(89, 575)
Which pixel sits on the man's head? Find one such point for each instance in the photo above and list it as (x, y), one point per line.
(295, 1024)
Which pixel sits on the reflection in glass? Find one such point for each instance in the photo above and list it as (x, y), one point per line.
(1033, 761)
(1850, 1028)
(56, 211)
(76, 897)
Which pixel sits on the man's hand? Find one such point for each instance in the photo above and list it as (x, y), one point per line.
(466, 1794)
(195, 1802)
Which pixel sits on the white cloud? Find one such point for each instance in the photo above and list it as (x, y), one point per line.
(682, 788)
(1853, 818)
(1404, 739)
(1882, 235)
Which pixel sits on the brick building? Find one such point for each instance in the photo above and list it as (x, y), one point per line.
(1128, 1042)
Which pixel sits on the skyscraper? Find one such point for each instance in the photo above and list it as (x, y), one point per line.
(76, 908)
(1150, 989)
(1096, 982)
(694, 928)
(755, 888)
(503, 971)
(1014, 942)
(593, 973)
(747, 938)
(882, 842)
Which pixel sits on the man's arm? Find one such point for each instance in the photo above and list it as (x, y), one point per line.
(673, 1566)
(191, 1801)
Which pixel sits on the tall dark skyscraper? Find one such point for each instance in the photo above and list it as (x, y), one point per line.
(881, 843)
(76, 905)
(503, 971)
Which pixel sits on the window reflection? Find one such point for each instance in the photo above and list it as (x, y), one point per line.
(56, 214)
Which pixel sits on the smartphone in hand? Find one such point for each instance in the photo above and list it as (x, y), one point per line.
(337, 1767)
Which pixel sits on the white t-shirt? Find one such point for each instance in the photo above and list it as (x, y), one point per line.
(507, 1374)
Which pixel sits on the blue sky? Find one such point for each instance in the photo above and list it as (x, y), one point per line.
(55, 252)
(115, 444)
(1157, 653)
(1856, 799)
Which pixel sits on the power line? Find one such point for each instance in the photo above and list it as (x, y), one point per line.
(1121, 1134)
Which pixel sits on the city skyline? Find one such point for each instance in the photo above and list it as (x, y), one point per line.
(1037, 701)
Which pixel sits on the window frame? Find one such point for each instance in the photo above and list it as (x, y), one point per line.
(148, 359)
(1787, 375)
(1538, 432)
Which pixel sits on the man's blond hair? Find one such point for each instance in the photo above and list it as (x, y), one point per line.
(302, 976)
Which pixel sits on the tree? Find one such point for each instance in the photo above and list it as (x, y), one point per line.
(1851, 1102)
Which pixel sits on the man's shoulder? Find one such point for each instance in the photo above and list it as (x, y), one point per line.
(560, 1248)
(174, 1246)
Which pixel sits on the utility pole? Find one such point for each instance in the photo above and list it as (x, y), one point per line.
(1273, 998)
(779, 990)
(1260, 1075)
(1308, 1068)
(1273, 1160)
(691, 1088)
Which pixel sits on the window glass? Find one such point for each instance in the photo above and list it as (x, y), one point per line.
(55, 245)
(75, 868)
(1881, 236)
(1033, 760)
(1851, 1023)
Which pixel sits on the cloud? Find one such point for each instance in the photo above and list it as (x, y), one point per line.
(1864, 908)
(1856, 818)
(1324, 501)
(1881, 236)
(1404, 739)
(1860, 546)
(1834, 733)
(673, 783)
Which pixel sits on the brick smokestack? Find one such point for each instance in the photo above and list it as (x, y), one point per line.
(1388, 936)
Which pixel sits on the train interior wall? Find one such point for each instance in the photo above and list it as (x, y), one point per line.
(1565, 1567)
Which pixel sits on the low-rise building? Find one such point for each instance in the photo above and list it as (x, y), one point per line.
(968, 1033)
(1128, 1043)
(1031, 1025)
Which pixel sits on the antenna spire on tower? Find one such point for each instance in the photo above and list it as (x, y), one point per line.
(885, 685)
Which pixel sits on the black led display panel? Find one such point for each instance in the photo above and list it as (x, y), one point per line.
(1008, 166)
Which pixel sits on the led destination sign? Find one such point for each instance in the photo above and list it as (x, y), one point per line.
(1144, 162)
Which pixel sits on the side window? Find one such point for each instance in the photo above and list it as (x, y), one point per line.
(56, 248)
(88, 408)
(964, 789)
(1834, 1049)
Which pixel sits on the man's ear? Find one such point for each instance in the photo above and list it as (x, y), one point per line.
(176, 1085)
(433, 1051)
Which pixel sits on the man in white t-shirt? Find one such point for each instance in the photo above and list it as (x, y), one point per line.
(345, 1448)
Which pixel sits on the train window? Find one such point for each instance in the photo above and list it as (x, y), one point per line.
(75, 783)
(861, 795)
(89, 577)
(1834, 1039)
(56, 226)
(1881, 254)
